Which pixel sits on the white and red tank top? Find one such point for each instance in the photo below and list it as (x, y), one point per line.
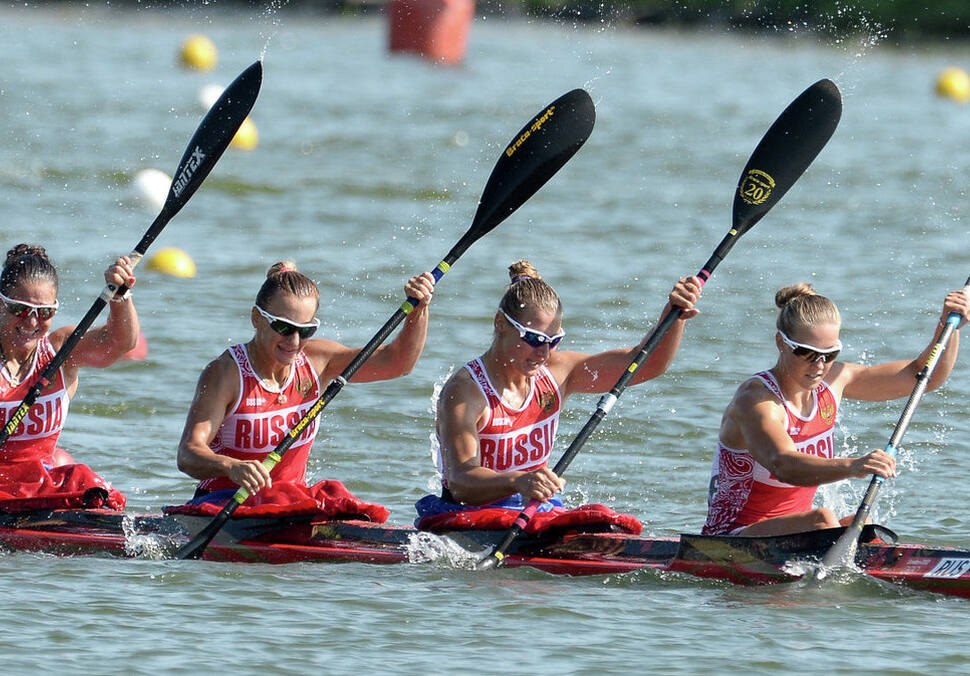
(36, 436)
(261, 417)
(744, 492)
(516, 439)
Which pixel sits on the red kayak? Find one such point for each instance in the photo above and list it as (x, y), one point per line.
(740, 560)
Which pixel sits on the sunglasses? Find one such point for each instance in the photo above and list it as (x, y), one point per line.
(535, 338)
(810, 353)
(285, 327)
(23, 309)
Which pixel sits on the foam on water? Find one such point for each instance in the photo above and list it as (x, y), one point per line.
(430, 548)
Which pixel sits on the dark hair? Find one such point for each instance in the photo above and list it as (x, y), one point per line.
(528, 289)
(283, 276)
(26, 261)
(802, 306)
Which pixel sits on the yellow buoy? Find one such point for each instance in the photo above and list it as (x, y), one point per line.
(247, 137)
(199, 53)
(173, 262)
(954, 83)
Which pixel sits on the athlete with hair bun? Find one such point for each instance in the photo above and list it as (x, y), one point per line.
(34, 470)
(775, 445)
(498, 416)
(253, 394)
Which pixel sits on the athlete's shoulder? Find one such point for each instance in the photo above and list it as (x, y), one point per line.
(220, 368)
(753, 390)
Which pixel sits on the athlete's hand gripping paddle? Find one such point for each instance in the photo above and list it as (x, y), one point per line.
(842, 553)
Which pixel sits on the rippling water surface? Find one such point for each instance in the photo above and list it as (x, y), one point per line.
(368, 169)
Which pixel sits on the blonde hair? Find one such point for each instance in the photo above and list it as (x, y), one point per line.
(802, 306)
(527, 289)
(284, 277)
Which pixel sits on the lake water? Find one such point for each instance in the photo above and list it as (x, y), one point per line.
(368, 169)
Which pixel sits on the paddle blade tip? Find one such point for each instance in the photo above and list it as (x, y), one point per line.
(786, 150)
(534, 156)
(579, 105)
(490, 562)
(190, 552)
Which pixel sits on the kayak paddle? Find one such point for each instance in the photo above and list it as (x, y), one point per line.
(842, 553)
(206, 147)
(782, 155)
(535, 154)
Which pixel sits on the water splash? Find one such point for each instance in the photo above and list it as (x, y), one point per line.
(845, 572)
(430, 548)
(270, 15)
(434, 447)
(138, 544)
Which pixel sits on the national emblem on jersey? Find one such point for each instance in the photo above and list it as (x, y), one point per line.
(305, 386)
(547, 401)
(826, 409)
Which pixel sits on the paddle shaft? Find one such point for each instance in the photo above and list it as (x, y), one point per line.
(843, 551)
(608, 400)
(536, 153)
(205, 148)
(337, 384)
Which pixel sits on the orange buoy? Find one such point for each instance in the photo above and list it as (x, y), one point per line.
(435, 29)
(139, 351)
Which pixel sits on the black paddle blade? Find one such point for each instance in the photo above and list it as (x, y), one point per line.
(195, 548)
(534, 155)
(210, 141)
(785, 151)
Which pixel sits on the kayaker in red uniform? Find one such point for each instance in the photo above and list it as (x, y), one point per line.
(250, 397)
(497, 417)
(775, 445)
(32, 466)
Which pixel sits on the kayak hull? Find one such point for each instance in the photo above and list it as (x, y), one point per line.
(739, 560)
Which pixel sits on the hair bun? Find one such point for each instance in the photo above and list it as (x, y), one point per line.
(280, 267)
(26, 250)
(522, 270)
(787, 294)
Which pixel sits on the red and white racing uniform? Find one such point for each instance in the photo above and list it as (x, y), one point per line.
(261, 417)
(744, 492)
(36, 436)
(516, 439)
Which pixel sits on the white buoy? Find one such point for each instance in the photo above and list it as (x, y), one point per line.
(150, 187)
(209, 94)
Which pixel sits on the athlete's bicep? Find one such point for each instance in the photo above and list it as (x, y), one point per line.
(215, 391)
(459, 415)
(763, 426)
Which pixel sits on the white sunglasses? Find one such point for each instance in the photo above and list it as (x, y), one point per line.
(23, 309)
(285, 327)
(535, 338)
(810, 353)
